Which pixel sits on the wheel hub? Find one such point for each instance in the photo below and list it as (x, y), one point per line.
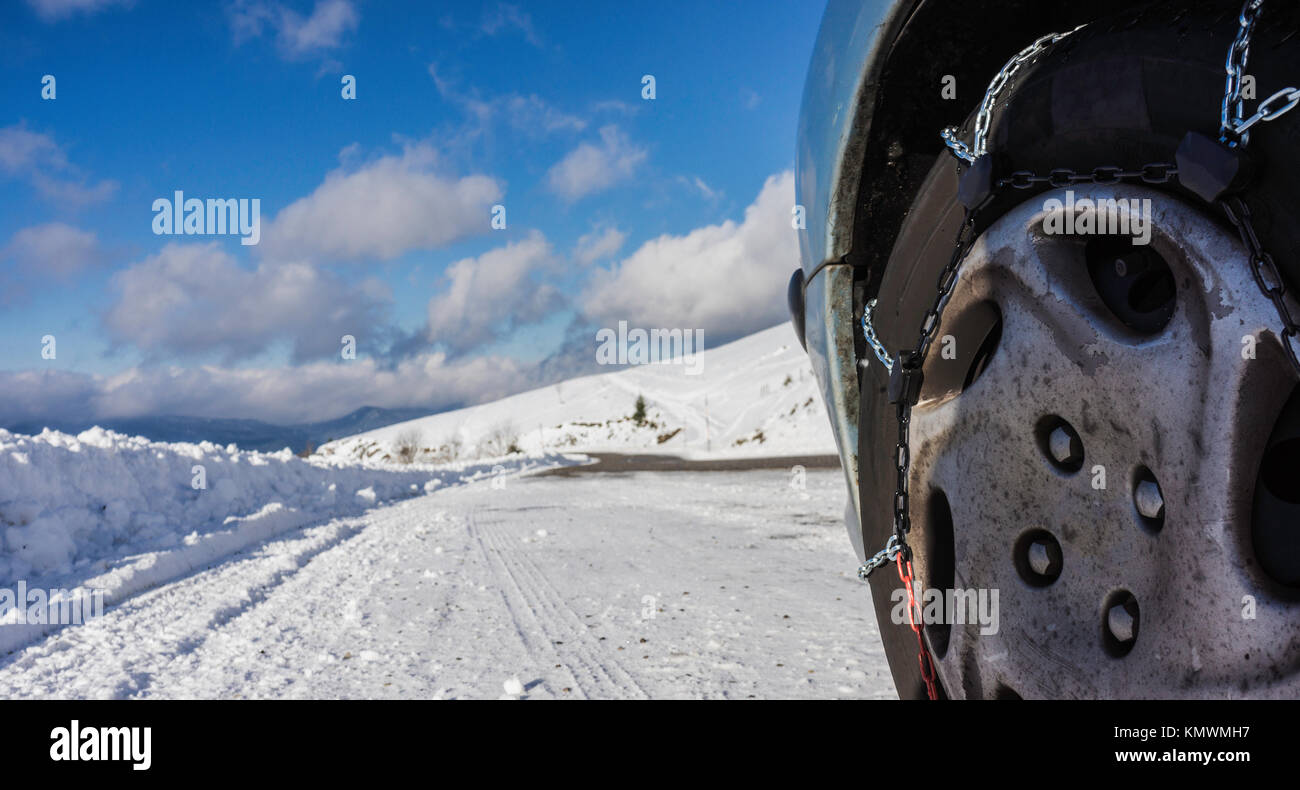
(1097, 465)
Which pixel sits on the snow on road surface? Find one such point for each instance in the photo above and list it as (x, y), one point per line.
(649, 584)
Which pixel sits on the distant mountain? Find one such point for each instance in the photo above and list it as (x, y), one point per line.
(248, 434)
(366, 418)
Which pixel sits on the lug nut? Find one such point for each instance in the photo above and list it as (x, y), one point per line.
(1040, 560)
(1121, 622)
(1147, 498)
(1064, 445)
(1060, 442)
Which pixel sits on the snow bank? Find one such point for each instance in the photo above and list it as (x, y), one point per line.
(121, 514)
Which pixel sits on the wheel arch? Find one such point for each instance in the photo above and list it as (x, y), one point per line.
(871, 114)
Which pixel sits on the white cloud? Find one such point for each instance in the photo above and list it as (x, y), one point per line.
(72, 193)
(615, 106)
(530, 114)
(39, 160)
(329, 20)
(383, 209)
(297, 36)
(489, 296)
(507, 17)
(726, 279)
(53, 249)
(302, 393)
(20, 148)
(195, 299)
(599, 243)
(591, 168)
(55, 10)
(697, 183)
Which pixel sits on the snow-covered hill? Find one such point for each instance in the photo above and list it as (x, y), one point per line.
(755, 396)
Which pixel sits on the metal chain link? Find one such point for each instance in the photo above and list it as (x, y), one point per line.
(1106, 175)
(1233, 109)
(1235, 133)
(922, 653)
(1267, 276)
(912, 361)
(869, 333)
(979, 147)
(1266, 111)
(1234, 127)
(883, 557)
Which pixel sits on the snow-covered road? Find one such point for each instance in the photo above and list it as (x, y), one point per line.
(649, 584)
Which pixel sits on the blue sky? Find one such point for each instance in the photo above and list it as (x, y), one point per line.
(375, 212)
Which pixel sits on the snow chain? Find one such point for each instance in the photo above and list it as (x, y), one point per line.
(1216, 171)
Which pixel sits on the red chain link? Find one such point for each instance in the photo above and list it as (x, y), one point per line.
(927, 666)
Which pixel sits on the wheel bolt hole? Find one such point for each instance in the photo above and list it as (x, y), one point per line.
(1120, 620)
(1038, 558)
(1148, 500)
(1060, 443)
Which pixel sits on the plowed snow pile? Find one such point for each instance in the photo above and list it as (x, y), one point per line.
(119, 514)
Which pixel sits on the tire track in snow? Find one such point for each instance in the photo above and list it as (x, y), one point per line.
(243, 573)
(568, 642)
(517, 605)
(579, 634)
(156, 639)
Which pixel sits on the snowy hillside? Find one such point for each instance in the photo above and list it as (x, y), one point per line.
(755, 396)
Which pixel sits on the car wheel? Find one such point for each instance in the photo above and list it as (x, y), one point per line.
(1107, 441)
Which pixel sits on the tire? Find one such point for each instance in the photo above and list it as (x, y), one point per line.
(1123, 92)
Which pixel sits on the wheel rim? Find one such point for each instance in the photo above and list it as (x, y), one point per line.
(1097, 465)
